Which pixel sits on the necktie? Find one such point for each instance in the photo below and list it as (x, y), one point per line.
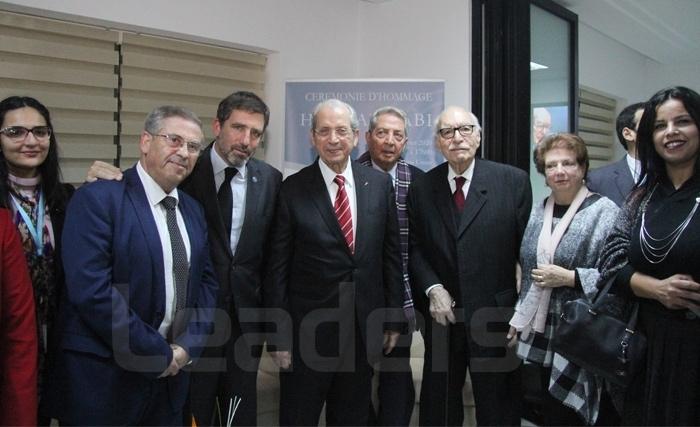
(225, 198)
(342, 211)
(177, 245)
(458, 195)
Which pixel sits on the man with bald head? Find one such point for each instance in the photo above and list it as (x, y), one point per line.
(335, 269)
(467, 217)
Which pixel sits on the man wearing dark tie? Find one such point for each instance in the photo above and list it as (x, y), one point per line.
(467, 217)
(140, 289)
(335, 269)
(386, 139)
(239, 194)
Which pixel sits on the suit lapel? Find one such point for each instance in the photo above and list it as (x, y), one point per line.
(194, 235)
(624, 180)
(362, 198)
(476, 197)
(253, 194)
(139, 201)
(442, 197)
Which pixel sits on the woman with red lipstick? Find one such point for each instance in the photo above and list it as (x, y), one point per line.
(31, 188)
(654, 254)
(559, 258)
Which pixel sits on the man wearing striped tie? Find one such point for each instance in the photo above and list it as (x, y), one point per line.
(335, 269)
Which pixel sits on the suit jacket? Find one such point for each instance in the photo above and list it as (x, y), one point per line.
(115, 301)
(311, 264)
(613, 181)
(239, 274)
(473, 255)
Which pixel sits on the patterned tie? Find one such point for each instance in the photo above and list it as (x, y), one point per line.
(342, 211)
(225, 198)
(177, 245)
(458, 195)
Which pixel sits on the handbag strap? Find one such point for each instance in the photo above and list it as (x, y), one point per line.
(598, 300)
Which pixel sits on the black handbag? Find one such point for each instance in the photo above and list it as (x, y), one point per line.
(599, 342)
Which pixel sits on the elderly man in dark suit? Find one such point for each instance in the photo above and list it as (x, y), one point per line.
(239, 194)
(467, 217)
(386, 139)
(140, 289)
(617, 180)
(335, 268)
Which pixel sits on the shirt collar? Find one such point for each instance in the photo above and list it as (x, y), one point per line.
(219, 165)
(154, 193)
(467, 174)
(634, 165)
(329, 174)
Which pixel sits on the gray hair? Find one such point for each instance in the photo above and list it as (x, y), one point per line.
(394, 111)
(156, 117)
(335, 103)
(436, 125)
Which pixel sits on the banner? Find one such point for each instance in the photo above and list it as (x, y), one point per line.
(422, 100)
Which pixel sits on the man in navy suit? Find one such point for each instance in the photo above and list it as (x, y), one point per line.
(467, 218)
(617, 180)
(140, 289)
(335, 269)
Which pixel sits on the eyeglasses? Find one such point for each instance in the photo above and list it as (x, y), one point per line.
(342, 132)
(381, 133)
(464, 130)
(176, 141)
(18, 133)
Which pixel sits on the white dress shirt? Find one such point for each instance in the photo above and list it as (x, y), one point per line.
(391, 172)
(155, 194)
(239, 185)
(635, 167)
(332, 187)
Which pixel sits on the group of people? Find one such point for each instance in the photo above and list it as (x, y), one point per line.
(175, 273)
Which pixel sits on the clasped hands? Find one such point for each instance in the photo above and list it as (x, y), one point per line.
(180, 360)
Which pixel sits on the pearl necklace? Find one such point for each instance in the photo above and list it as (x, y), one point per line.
(656, 254)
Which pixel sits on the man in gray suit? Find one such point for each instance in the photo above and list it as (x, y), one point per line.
(616, 181)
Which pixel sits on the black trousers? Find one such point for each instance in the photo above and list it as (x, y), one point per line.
(495, 378)
(396, 392)
(225, 379)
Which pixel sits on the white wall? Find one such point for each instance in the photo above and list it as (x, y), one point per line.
(305, 39)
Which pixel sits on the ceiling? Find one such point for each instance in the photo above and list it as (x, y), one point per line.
(667, 31)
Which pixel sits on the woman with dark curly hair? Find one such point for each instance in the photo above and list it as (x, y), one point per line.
(653, 252)
(31, 188)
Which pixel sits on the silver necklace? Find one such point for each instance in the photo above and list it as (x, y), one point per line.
(656, 250)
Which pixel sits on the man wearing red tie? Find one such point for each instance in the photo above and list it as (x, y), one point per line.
(467, 217)
(335, 268)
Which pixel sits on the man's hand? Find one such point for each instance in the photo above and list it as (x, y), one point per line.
(180, 360)
(390, 340)
(282, 359)
(441, 304)
(102, 170)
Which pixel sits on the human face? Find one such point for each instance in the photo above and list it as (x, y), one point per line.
(387, 140)
(238, 137)
(563, 174)
(675, 135)
(169, 166)
(24, 155)
(458, 150)
(334, 149)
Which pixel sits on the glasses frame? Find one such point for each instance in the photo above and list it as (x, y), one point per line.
(193, 147)
(464, 130)
(27, 131)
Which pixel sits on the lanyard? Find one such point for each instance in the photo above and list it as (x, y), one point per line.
(38, 231)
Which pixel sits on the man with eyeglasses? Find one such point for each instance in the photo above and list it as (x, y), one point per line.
(467, 219)
(239, 195)
(140, 288)
(335, 268)
(386, 138)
